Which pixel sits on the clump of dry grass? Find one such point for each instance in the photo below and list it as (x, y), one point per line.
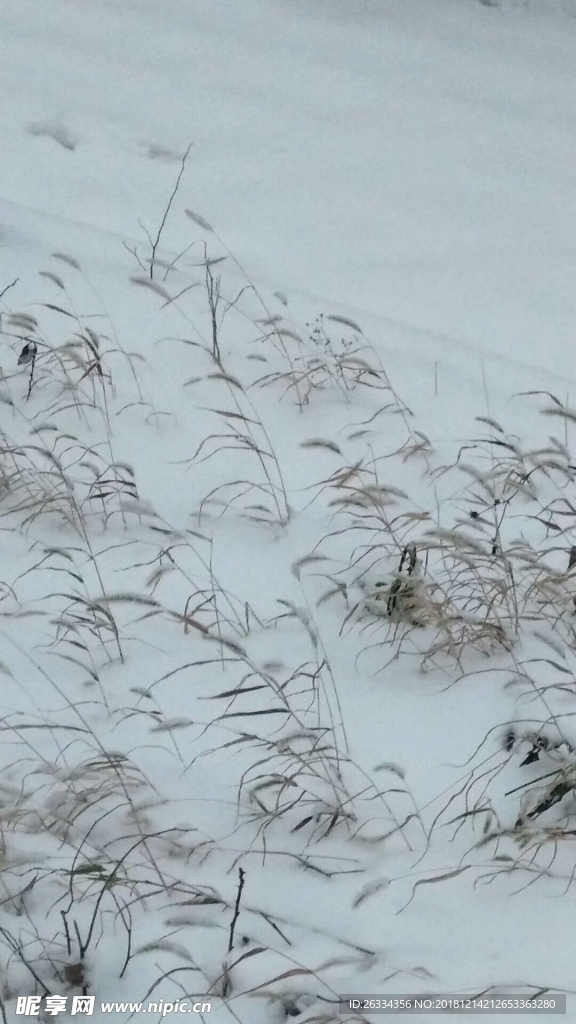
(446, 579)
(242, 429)
(318, 361)
(91, 805)
(477, 581)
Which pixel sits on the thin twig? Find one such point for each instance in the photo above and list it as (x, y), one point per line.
(8, 287)
(236, 909)
(66, 932)
(134, 252)
(167, 211)
(17, 949)
(213, 289)
(31, 380)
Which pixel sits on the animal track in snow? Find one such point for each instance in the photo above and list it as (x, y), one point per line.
(156, 152)
(54, 130)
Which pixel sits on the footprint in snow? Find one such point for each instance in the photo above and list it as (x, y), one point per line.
(155, 152)
(54, 130)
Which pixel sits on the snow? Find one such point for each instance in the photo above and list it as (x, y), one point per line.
(180, 527)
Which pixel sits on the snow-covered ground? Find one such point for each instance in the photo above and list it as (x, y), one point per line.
(287, 511)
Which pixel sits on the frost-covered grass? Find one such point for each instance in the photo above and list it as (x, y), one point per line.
(194, 699)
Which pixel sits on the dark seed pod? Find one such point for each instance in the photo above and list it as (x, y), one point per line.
(28, 353)
(509, 740)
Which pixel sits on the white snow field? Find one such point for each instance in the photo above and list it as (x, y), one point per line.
(287, 597)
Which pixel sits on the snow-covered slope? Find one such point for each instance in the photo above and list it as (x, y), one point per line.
(271, 593)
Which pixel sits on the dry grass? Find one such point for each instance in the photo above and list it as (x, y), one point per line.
(455, 580)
